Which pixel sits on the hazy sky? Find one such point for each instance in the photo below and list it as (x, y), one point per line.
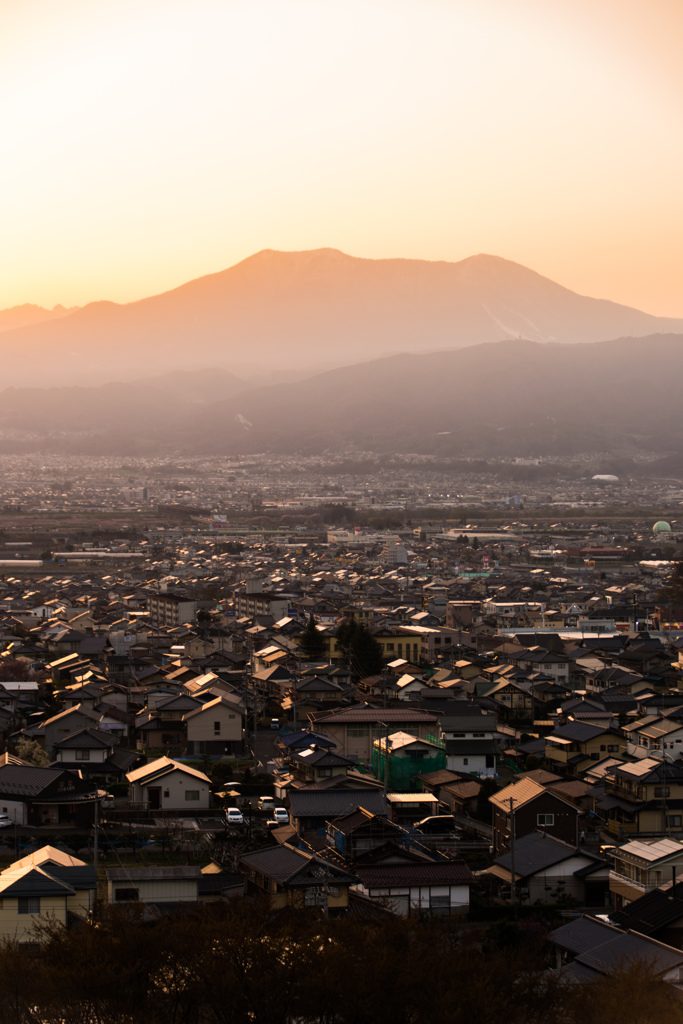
(148, 142)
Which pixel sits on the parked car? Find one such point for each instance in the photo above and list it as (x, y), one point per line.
(275, 723)
(5, 821)
(281, 815)
(266, 803)
(437, 825)
(234, 816)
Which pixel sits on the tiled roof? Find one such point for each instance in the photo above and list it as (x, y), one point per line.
(26, 780)
(519, 792)
(135, 874)
(582, 934)
(366, 714)
(627, 948)
(333, 803)
(383, 876)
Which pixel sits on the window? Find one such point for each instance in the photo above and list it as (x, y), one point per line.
(28, 904)
(356, 731)
(465, 760)
(167, 793)
(82, 755)
(613, 748)
(123, 895)
(216, 728)
(439, 904)
(390, 647)
(192, 794)
(674, 820)
(545, 819)
(662, 791)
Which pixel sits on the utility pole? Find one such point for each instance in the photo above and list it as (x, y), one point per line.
(386, 757)
(95, 829)
(513, 884)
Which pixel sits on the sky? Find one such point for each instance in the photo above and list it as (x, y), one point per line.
(145, 143)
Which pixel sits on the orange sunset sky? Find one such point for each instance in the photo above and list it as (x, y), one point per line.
(148, 142)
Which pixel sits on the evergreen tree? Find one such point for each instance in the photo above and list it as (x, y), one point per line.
(672, 592)
(361, 651)
(311, 642)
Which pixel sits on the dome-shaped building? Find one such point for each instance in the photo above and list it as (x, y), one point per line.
(661, 528)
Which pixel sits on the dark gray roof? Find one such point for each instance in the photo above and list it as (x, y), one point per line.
(87, 739)
(34, 883)
(653, 911)
(536, 852)
(332, 803)
(288, 866)
(468, 723)
(384, 876)
(582, 934)
(78, 877)
(473, 747)
(368, 714)
(135, 874)
(630, 947)
(28, 780)
(579, 731)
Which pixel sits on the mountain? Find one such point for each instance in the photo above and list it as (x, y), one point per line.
(503, 399)
(119, 408)
(293, 311)
(28, 315)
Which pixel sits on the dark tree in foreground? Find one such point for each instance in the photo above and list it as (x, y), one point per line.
(237, 961)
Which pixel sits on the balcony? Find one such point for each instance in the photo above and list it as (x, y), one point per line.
(616, 828)
(621, 883)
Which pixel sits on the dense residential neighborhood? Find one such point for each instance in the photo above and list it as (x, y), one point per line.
(438, 722)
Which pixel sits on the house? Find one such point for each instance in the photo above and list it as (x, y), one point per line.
(401, 757)
(657, 913)
(524, 807)
(48, 882)
(586, 949)
(313, 765)
(548, 870)
(312, 809)
(470, 743)
(417, 885)
(293, 878)
(216, 727)
(167, 785)
(574, 746)
(642, 865)
(46, 796)
(154, 884)
(95, 755)
(643, 796)
(354, 729)
(163, 724)
(66, 723)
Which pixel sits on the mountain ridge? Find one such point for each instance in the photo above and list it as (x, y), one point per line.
(503, 399)
(314, 309)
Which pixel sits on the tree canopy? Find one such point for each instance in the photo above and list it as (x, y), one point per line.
(312, 644)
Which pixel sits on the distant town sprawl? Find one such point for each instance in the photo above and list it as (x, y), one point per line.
(375, 686)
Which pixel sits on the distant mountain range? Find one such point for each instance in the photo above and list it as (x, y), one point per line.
(299, 312)
(502, 399)
(28, 315)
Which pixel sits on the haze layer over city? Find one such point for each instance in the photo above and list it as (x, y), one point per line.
(341, 505)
